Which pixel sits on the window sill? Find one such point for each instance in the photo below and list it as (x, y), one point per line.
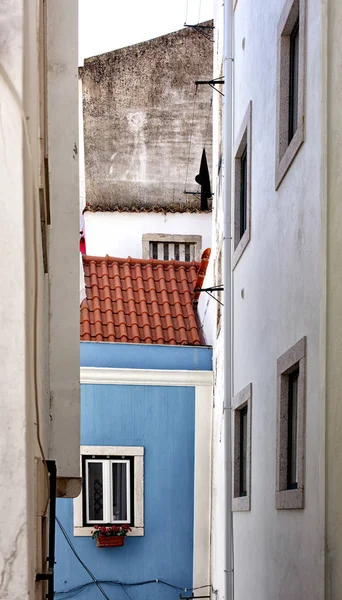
(290, 499)
(240, 248)
(284, 164)
(86, 532)
(241, 504)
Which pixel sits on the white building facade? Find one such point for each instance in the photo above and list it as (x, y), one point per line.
(285, 302)
(39, 305)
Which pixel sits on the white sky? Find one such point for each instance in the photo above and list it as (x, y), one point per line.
(106, 25)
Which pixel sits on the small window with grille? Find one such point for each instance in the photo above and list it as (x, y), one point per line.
(172, 247)
(108, 489)
(113, 489)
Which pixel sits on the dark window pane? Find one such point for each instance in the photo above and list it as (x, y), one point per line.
(95, 491)
(292, 431)
(119, 474)
(293, 91)
(176, 251)
(187, 252)
(166, 251)
(243, 451)
(154, 250)
(243, 193)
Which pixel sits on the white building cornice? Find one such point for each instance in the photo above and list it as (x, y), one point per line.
(105, 375)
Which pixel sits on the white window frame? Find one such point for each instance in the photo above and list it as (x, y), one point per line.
(137, 452)
(107, 491)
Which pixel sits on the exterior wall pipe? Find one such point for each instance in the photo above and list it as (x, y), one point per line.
(227, 279)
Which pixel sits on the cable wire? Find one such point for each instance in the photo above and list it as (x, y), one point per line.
(97, 583)
(79, 588)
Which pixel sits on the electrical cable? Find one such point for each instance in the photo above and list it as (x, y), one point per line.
(19, 104)
(80, 560)
(79, 588)
(127, 594)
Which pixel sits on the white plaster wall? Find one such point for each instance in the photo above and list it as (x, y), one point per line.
(278, 554)
(25, 300)
(13, 389)
(331, 276)
(63, 107)
(120, 234)
(219, 514)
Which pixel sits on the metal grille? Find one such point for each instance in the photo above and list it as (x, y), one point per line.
(175, 251)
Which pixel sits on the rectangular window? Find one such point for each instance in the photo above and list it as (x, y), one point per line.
(107, 487)
(292, 474)
(242, 187)
(243, 451)
(113, 488)
(242, 405)
(291, 367)
(243, 193)
(294, 72)
(290, 85)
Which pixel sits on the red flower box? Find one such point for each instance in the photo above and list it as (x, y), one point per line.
(110, 541)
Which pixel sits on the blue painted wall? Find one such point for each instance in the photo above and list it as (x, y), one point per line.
(146, 356)
(162, 420)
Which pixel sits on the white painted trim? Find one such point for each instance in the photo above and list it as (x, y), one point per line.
(86, 532)
(202, 486)
(108, 450)
(104, 375)
(138, 453)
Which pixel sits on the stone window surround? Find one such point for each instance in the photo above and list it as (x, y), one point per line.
(240, 401)
(138, 494)
(244, 138)
(286, 152)
(292, 358)
(166, 238)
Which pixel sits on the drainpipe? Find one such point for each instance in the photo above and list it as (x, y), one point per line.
(227, 281)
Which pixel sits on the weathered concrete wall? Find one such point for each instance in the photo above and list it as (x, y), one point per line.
(63, 240)
(140, 113)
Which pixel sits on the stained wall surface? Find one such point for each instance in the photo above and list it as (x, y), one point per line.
(141, 110)
(276, 301)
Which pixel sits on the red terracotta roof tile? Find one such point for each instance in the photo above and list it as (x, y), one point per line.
(136, 300)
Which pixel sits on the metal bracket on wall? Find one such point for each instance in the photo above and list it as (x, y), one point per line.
(209, 290)
(192, 597)
(212, 83)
